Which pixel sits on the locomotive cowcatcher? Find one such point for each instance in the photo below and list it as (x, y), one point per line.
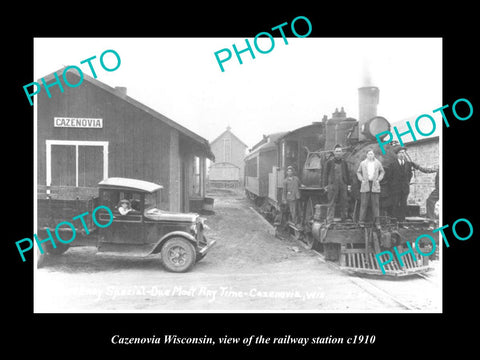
(307, 149)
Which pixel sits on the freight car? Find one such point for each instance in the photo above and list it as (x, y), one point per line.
(307, 149)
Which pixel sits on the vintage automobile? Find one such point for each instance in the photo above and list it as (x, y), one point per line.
(145, 230)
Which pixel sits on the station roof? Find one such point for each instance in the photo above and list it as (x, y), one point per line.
(204, 144)
(130, 184)
(228, 131)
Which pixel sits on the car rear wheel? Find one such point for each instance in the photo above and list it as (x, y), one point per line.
(58, 250)
(178, 255)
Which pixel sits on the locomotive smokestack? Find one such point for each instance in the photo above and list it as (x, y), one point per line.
(368, 97)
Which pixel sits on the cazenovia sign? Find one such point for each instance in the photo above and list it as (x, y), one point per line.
(77, 122)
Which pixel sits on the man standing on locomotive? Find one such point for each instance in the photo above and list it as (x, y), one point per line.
(370, 173)
(399, 182)
(337, 181)
(291, 193)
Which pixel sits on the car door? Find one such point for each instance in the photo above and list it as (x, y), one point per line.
(127, 230)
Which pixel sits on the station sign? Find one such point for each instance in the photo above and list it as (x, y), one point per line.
(68, 122)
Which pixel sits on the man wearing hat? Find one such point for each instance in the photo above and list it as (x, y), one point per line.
(399, 180)
(400, 176)
(124, 207)
(291, 192)
(336, 181)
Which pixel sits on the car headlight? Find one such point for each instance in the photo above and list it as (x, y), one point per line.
(203, 222)
(193, 229)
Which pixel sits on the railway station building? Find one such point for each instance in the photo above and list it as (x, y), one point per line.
(94, 131)
(228, 169)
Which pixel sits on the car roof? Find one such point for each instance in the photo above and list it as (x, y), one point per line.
(129, 184)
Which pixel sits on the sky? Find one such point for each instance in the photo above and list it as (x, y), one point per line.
(289, 87)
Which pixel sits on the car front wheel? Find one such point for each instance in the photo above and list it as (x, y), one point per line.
(178, 255)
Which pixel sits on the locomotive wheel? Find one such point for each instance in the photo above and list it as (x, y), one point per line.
(298, 235)
(310, 210)
(178, 255)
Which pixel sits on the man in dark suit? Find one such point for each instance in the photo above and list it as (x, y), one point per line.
(399, 180)
(336, 181)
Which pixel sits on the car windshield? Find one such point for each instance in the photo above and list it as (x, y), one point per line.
(151, 201)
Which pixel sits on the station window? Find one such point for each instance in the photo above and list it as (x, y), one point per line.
(227, 150)
(76, 163)
(63, 167)
(197, 176)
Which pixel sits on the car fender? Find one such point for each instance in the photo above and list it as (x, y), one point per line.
(158, 246)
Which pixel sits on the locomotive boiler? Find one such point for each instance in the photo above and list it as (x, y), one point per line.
(307, 149)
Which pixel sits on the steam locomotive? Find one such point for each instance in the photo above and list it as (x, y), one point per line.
(307, 149)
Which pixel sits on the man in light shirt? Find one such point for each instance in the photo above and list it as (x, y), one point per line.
(370, 173)
(124, 207)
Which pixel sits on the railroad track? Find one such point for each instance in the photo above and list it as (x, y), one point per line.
(377, 291)
(372, 287)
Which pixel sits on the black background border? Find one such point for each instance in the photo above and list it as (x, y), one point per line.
(395, 333)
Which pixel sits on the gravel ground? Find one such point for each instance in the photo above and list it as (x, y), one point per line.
(248, 270)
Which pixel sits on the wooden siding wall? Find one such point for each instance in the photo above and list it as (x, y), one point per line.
(224, 171)
(237, 152)
(139, 144)
(175, 187)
